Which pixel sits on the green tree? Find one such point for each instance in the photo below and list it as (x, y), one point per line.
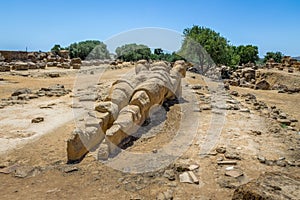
(235, 57)
(158, 51)
(248, 53)
(205, 47)
(133, 52)
(56, 48)
(89, 49)
(277, 56)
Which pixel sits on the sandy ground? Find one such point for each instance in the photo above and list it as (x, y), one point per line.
(47, 176)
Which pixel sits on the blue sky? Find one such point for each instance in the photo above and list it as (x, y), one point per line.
(272, 25)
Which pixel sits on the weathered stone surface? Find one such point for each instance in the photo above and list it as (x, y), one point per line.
(193, 167)
(128, 105)
(24, 171)
(76, 66)
(4, 67)
(270, 185)
(185, 178)
(221, 149)
(248, 73)
(103, 152)
(64, 54)
(76, 150)
(70, 169)
(167, 195)
(21, 91)
(53, 75)
(227, 162)
(41, 65)
(169, 174)
(37, 120)
(21, 66)
(234, 173)
(188, 177)
(284, 121)
(262, 85)
(232, 155)
(75, 61)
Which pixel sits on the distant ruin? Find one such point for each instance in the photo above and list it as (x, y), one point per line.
(22, 60)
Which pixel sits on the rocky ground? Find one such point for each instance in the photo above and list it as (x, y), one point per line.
(259, 132)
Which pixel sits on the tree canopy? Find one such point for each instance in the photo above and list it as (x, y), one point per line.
(277, 56)
(89, 49)
(248, 53)
(133, 52)
(159, 54)
(206, 47)
(56, 48)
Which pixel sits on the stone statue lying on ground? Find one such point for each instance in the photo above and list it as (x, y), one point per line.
(127, 107)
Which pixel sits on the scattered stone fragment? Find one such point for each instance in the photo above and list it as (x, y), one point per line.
(185, 178)
(9, 169)
(167, 195)
(232, 101)
(23, 97)
(88, 98)
(53, 190)
(232, 155)
(234, 173)
(188, 177)
(24, 171)
(234, 93)
(294, 120)
(53, 75)
(76, 105)
(193, 167)
(282, 115)
(229, 168)
(249, 96)
(262, 85)
(212, 153)
(291, 163)
(4, 164)
(21, 91)
(284, 121)
(244, 110)
(169, 174)
(70, 169)
(103, 152)
(227, 162)
(256, 132)
(181, 167)
(261, 159)
(37, 120)
(197, 87)
(281, 163)
(269, 162)
(221, 149)
(45, 106)
(205, 107)
(220, 159)
(193, 177)
(32, 96)
(281, 158)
